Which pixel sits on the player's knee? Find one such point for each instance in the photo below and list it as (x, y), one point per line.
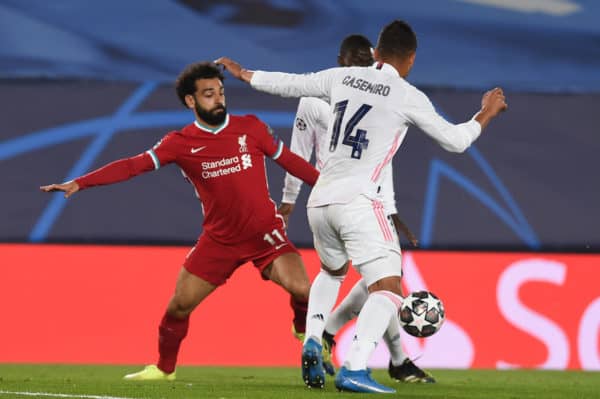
(337, 272)
(181, 306)
(299, 290)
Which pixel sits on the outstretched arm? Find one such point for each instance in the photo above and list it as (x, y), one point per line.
(297, 166)
(492, 103)
(114, 172)
(316, 84)
(69, 188)
(453, 137)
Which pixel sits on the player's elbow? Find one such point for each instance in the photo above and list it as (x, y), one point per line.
(456, 147)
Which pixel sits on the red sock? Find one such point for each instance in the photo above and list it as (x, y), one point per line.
(170, 334)
(300, 308)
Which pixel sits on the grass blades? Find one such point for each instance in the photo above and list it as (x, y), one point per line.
(105, 382)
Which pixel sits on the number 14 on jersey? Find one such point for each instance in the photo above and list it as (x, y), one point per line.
(359, 141)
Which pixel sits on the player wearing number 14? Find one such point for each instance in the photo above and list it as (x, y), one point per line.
(372, 109)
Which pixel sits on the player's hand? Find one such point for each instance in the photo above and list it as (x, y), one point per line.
(285, 210)
(402, 227)
(494, 101)
(69, 188)
(411, 238)
(233, 67)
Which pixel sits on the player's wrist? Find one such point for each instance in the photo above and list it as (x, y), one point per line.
(246, 75)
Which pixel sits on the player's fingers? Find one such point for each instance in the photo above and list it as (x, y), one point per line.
(224, 61)
(48, 188)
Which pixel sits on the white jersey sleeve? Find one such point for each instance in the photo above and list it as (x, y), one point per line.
(310, 128)
(317, 84)
(309, 132)
(421, 113)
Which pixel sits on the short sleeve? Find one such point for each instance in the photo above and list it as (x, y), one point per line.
(165, 151)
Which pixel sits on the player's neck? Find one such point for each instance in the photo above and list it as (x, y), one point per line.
(202, 124)
(402, 66)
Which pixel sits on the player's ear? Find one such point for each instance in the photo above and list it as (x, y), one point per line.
(190, 101)
(376, 55)
(412, 58)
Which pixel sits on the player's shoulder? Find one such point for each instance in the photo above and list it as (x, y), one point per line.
(182, 133)
(249, 123)
(312, 103)
(313, 108)
(414, 95)
(247, 120)
(169, 140)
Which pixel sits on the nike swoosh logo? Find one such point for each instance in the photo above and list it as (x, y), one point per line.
(366, 386)
(280, 246)
(195, 150)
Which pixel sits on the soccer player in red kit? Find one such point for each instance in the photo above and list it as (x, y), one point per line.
(222, 156)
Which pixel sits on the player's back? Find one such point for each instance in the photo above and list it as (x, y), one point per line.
(364, 133)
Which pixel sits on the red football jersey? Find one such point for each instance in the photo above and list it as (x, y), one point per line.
(226, 166)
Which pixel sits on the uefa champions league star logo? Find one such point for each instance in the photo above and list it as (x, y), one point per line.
(242, 143)
(300, 124)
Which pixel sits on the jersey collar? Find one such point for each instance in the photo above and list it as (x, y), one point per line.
(213, 130)
(386, 68)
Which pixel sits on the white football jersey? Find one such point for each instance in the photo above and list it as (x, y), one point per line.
(371, 109)
(310, 132)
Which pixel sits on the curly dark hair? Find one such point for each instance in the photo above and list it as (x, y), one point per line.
(355, 50)
(186, 81)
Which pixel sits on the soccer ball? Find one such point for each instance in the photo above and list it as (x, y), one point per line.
(421, 314)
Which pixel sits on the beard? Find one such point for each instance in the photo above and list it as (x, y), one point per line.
(215, 116)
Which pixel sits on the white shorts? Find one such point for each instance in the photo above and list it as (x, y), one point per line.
(358, 230)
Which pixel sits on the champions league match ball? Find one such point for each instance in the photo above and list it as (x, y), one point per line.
(421, 314)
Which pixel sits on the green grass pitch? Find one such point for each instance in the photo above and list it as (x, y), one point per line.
(104, 382)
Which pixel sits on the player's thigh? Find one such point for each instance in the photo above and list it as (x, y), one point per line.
(190, 290)
(382, 273)
(327, 241)
(212, 261)
(288, 271)
(366, 231)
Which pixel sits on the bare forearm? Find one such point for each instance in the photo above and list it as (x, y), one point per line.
(402, 227)
(484, 117)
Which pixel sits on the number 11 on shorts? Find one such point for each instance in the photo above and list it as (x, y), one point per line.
(275, 233)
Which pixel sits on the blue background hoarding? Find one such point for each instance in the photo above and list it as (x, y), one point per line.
(77, 92)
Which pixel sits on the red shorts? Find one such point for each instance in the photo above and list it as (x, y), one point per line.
(215, 262)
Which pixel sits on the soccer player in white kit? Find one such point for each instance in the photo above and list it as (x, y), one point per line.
(309, 134)
(372, 109)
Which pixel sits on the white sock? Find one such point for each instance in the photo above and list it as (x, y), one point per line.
(373, 320)
(392, 340)
(323, 294)
(349, 308)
